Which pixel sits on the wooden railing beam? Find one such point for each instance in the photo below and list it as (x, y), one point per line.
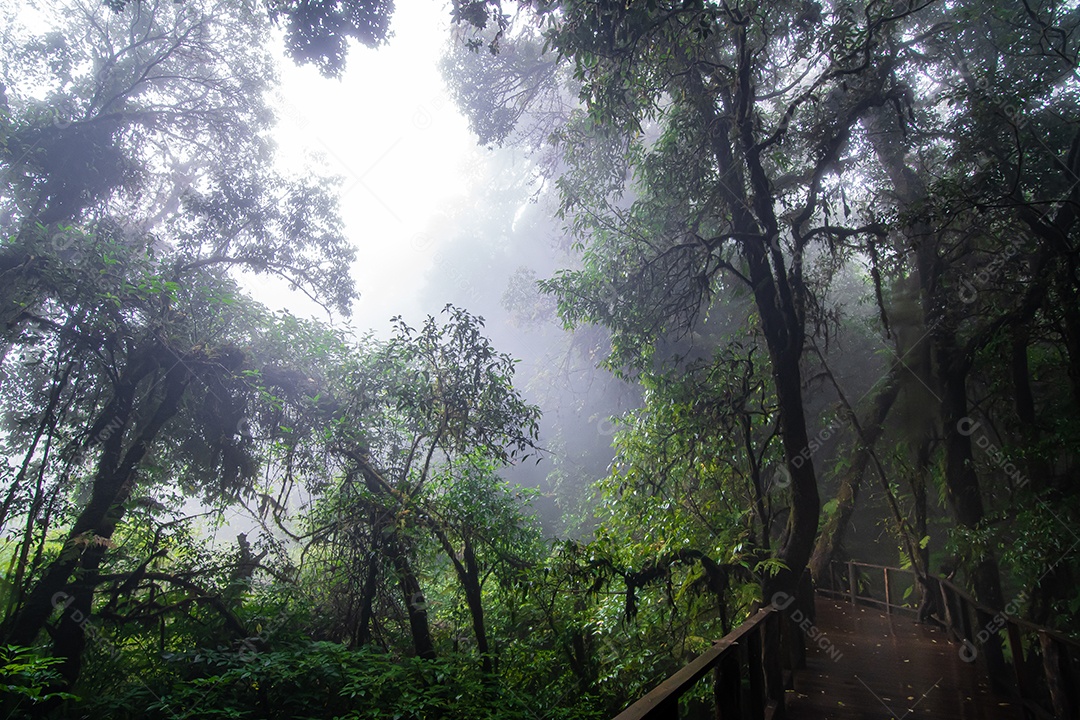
(969, 622)
(676, 685)
(768, 643)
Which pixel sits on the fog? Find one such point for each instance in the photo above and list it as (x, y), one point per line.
(439, 219)
(492, 359)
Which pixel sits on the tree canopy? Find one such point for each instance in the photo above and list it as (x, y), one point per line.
(814, 264)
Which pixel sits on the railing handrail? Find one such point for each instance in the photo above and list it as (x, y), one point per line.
(765, 649)
(851, 591)
(688, 675)
(1026, 624)
(1046, 688)
(968, 597)
(757, 648)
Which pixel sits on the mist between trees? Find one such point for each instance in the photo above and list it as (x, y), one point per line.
(734, 292)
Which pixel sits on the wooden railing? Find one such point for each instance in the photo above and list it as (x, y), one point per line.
(887, 588)
(1042, 669)
(751, 666)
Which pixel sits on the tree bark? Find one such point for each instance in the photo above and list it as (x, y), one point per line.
(831, 537)
(415, 603)
(362, 632)
(108, 484)
(950, 363)
(781, 327)
(69, 640)
(398, 554)
(962, 483)
(474, 599)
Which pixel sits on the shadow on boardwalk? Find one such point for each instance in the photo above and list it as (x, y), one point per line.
(872, 665)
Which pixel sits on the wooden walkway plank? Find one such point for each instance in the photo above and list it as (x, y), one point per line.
(866, 664)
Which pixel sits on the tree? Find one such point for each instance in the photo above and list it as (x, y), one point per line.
(737, 188)
(479, 524)
(318, 31)
(138, 105)
(516, 93)
(155, 115)
(150, 384)
(412, 410)
(136, 332)
(980, 238)
(709, 155)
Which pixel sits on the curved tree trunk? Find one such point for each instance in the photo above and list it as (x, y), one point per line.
(415, 602)
(781, 326)
(85, 547)
(831, 537)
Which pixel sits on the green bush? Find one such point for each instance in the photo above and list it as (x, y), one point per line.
(322, 680)
(25, 679)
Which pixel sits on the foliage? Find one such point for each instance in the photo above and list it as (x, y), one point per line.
(321, 680)
(739, 182)
(25, 678)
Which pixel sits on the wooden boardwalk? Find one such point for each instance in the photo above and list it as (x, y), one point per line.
(871, 665)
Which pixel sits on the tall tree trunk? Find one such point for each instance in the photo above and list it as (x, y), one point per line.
(474, 599)
(785, 353)
(930, 601)
(107, 487)
(1071, 313)
(831, 537)
(362, 632)
(1039, 473)
(397, 551)
(781, 327)
(950, 363)
(70, 638)
(468, 574)
(86, 544)
(962, 483)
(415, 603)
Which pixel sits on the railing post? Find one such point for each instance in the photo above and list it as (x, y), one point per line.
(1055, 682)
(761, 651)
(774, 671)
(727, 686)
(755, 666)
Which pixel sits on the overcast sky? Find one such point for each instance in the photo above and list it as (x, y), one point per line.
(405, 154)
